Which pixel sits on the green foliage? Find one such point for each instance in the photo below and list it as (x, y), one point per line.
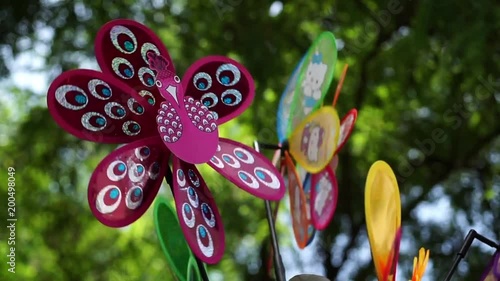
(424, 76)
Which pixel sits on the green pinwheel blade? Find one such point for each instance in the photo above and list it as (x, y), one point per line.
(171, 238)
(315, 77)
(193, 272)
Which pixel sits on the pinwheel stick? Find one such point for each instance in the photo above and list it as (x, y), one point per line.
(465, 248)
(340, 84)
(279, 269)
(204, 276)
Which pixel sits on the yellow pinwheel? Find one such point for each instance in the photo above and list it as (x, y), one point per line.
(383, 223)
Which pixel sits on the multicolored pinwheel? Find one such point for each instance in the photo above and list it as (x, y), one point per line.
(492, 272)
(138, 100)
(383, 223)
(312, 134)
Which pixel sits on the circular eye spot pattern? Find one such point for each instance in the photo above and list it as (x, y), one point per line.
(231, 161)
(243, 155)
(231, 97)
(134, 197)
(154, 171)
(204, 241)
(71, 97)
(123, 39)
(148, 96)
(248, 179)
(122, 68)
(208, 215)
(114, 110)
(142, 152)
(228, 74)
(116, 170)
(93, 121)
(177, 79)
(216, 161)
(158, 83)
(131, 128)
(193, 178)
(267, 178)
(136, 172)
(135, 107)
(99, 89)
(108, 199)
(202, 81)
(181, 178)
(148, 47)
(209, 100)
(193, 197)
(188, 215)
(146, 76)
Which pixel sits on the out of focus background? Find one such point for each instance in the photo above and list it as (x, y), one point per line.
(424, 75)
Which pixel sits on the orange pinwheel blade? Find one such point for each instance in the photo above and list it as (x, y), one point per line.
(340, 84)
(300, 223)
(383, 217)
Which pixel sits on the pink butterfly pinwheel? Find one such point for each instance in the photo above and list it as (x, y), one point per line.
(139, 100)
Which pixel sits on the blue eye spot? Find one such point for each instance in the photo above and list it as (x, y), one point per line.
(100, 121)
(206, 103)
(140, 169)
(243, 176)
(129, 46)
(114, 194)
(191, 192)
(186, 209)
(146, 151)
(140, 109)
(120, 112)
(137, 192)
(106, 92)
(228, 100)
(203, 232)
(261, 175)
(135, 127)
(121, 167)
(201, 85)
(226, 158)
(128, 72)
(239, 154)
(205, 209)
(150, 81)
(81, 99)
(225, 80)
(151, 101)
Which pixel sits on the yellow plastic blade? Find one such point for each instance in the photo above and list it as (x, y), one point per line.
(383, 213)
(314, 141)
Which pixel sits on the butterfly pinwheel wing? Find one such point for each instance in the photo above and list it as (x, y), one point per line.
(97, 107)
(125, 183)
(221, 84)
(248, 169)
(121, 49)
(198, 214)
(324, 195)
(315, 77)
(383, 215)
(346, 127)
(283, 124)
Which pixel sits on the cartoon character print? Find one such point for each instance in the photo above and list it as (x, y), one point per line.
(324, 191)
(312, 139)
(313, 80)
